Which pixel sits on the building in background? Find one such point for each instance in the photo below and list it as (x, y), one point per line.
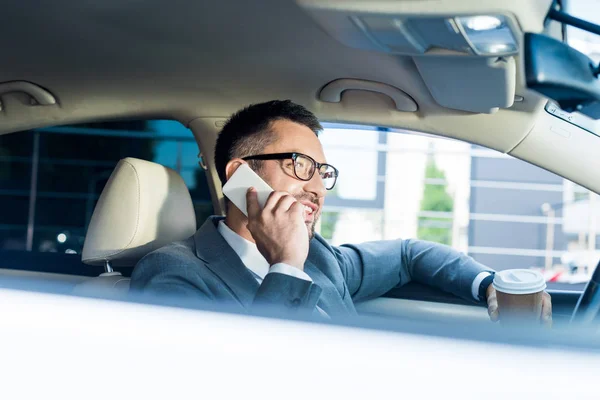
(51, 179)
(507, 226)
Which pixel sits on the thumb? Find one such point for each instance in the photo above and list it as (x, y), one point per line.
(492, 302)
(493, 312)
(547, 310)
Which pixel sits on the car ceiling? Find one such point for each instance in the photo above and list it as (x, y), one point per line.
(188, 59)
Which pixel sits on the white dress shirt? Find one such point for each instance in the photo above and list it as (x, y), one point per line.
(253, 260)
(476, 282)
(259, 266)
(256, 262)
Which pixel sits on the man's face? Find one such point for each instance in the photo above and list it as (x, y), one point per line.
(279, 174)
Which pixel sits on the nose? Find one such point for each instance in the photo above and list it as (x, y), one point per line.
(316, 186)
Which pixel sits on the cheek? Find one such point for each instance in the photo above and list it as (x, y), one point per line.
(283, 183)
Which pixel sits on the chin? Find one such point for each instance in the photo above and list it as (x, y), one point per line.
(311, 226)
(311, 229)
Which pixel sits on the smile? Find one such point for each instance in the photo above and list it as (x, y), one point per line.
(309, 208)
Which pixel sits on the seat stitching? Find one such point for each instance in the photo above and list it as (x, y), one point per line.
(137, 223)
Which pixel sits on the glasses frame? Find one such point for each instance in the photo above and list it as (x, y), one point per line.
(293, 156)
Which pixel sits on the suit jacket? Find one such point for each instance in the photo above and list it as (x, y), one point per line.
(205, 267)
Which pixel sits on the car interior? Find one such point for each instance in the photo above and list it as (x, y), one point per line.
(198, 62)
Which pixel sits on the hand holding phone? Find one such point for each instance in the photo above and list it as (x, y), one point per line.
(276, 222)
(279, 229)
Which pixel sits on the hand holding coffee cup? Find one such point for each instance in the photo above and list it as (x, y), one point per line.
(520, 298)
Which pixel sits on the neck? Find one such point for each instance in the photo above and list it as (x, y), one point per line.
(236, 221)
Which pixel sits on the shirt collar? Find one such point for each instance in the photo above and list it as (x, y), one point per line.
(246, 251)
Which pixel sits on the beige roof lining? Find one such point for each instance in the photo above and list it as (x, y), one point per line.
(184, 62)
(192, 61)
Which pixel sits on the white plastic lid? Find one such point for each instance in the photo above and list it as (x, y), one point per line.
(519, 281)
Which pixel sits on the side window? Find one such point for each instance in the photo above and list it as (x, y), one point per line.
(51, 179)
(503, 212)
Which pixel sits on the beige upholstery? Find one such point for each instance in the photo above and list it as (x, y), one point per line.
(111, 285)
(144, 206)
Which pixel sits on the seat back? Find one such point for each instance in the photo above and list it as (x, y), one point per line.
(143, 206)
(111, 285)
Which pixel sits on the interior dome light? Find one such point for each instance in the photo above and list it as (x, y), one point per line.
(488, 35)
(481, 22)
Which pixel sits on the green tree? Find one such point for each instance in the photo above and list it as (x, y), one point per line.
(328, 223)
(435, 198)
(329, 219)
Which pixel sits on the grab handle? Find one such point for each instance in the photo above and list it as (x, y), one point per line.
(41, 96)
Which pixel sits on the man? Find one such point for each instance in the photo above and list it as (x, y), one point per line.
(273, 257)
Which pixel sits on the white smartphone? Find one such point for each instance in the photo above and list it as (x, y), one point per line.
(237, 186)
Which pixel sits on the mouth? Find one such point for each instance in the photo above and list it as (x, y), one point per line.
(310, 209)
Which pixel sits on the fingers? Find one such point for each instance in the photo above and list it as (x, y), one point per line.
(278, 202)
(252, 205)
(297, 208)
(284, 203)
(546, 317)
(493, 306)
(273, 200)
(297, 211)
(546, 314)
(281, 202)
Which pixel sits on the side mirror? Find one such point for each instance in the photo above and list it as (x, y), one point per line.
(563, 74)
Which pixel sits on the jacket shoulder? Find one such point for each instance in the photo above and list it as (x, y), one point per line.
(181, 248)
(176, 254)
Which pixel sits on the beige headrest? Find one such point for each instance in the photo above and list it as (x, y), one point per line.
(143, 206)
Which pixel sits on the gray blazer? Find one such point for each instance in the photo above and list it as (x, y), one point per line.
(205, 267)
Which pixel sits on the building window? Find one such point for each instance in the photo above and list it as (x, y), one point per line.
(51, 179)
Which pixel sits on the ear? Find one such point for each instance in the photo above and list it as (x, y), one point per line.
(232, 166)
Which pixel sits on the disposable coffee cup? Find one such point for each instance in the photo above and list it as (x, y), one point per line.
(519, 293)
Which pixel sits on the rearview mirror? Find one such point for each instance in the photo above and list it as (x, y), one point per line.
(563, 74)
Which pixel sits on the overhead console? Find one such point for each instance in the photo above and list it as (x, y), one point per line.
(466, 58)
(476, 35)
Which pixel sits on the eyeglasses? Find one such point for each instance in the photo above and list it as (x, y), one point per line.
(304, 167)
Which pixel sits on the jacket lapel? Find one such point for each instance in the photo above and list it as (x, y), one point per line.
(331, 300)
(220, 258)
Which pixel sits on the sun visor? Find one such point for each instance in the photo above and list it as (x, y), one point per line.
(474, 84)
(464, 54)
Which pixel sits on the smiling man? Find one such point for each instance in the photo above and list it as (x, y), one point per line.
(273, 257)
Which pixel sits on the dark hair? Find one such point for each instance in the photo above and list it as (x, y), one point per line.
(247, 131)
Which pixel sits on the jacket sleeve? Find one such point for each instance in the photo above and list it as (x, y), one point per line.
(373, 268)
(287, 293)
(171, 279)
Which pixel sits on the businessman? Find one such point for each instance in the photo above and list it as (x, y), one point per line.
(273, 257)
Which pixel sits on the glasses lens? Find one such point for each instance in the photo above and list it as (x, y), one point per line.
(304, 167)
(329, 176)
